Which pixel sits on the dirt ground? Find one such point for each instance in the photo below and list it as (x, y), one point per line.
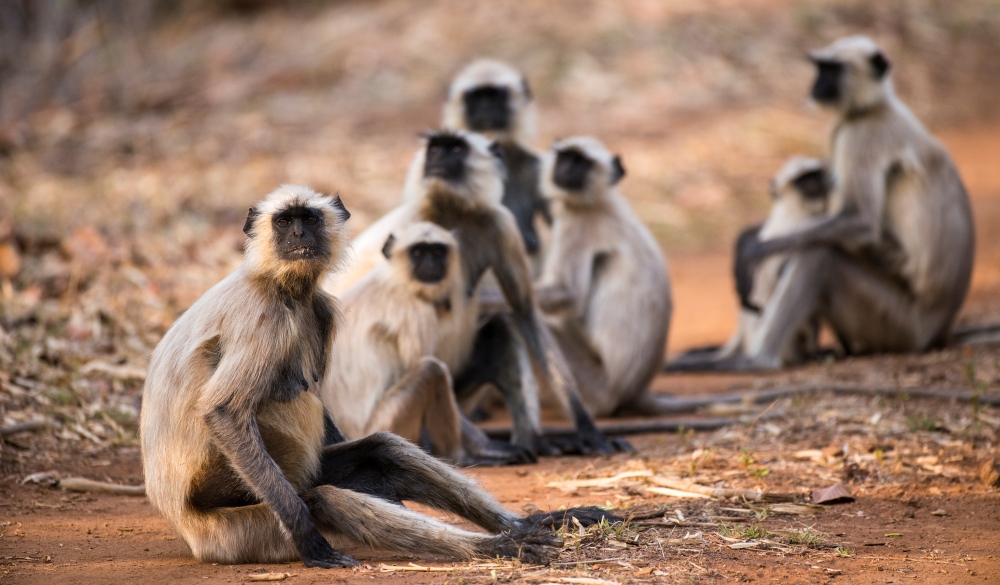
(140, 222)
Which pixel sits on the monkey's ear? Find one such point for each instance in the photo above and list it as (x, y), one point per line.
(498, 152)
(526, 89)
(879, 64)
(340, 205)
(251, 217)
(617, 170)
(387, 248)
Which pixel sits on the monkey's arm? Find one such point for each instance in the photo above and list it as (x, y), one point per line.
(858, 224)
(742, 270)
(229, 404)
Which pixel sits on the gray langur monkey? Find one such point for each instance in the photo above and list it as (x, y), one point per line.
(604, 283)
(382, 375)
(889, 266)
(493, 98)
(799, 194)
(456, 182)
(238, 452)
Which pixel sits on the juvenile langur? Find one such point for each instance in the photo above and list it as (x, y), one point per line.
(889, 266)
(456, 182)
(604, 282)
(382, 375)
(799, 194)
(238, 452)
(494, 99)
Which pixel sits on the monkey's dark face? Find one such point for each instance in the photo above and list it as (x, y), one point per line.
(429, 262)
(487, 108)
(446, 156)
(812, 186)
(298, 234)
(571, 170)
(829, 78)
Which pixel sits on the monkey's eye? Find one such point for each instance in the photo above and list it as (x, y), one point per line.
(435, 150)
(312, 220)
(439, 252)
(416, 252)
(283, 222)
(456, 149)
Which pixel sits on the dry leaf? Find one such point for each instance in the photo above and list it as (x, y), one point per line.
(835, 494)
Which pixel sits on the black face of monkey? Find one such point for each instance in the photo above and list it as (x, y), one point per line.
(487, 108)
(445, 158)
(813, 185)
(429, 261)
(298, 234)
(571, 170)
(826, 89)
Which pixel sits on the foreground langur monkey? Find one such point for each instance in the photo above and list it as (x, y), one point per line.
(799, 194)
(494, 99)
(604, 282)
(456, 182)
(890, 265)
(238, 452)
(381, 374)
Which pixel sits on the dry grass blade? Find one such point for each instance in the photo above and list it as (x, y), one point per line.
(573, 484)
(268, 576)
(675, 493)
(415, 568)
(687, 489)
(80, 484)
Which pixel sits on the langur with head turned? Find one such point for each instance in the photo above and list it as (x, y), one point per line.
(238, 451)
(456, 182)
(799, 194)
(382, 375)
(889, 265)
(604, 284)
(494, 99)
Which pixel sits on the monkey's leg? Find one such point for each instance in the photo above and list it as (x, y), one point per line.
(368, 521)
(388, 467)
(870, 311)
(498, 358)
(422, 399)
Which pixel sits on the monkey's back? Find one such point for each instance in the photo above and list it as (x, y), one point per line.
(928, 237)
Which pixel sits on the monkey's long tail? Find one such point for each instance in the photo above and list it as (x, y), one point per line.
(679, 405)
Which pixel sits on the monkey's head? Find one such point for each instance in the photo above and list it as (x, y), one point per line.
(493, 98)
(295, 235)
(466, 168)
(427, 255)
(852, 75)
(803, 184)
(580, 171)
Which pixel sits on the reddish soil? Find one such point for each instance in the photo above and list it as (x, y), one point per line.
(915, 472)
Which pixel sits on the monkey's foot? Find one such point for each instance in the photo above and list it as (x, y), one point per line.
(586, 516)
(529, 545)
(317, 552)
(589, 443)
(496, 453)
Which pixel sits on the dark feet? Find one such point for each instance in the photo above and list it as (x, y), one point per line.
(532, 546)
(586, 516)
(317, 552)
(496, 453)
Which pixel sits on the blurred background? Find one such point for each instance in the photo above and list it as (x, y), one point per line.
(134, 134)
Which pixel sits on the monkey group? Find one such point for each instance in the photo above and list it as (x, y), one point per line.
(291, 411)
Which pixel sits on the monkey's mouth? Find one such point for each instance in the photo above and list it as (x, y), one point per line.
(302, 252)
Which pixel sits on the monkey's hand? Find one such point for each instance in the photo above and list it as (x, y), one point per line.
(529, 544)
(315, 551)
(590, 442)
(585, 515)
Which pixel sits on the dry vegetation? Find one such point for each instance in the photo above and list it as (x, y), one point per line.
(133, 137)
